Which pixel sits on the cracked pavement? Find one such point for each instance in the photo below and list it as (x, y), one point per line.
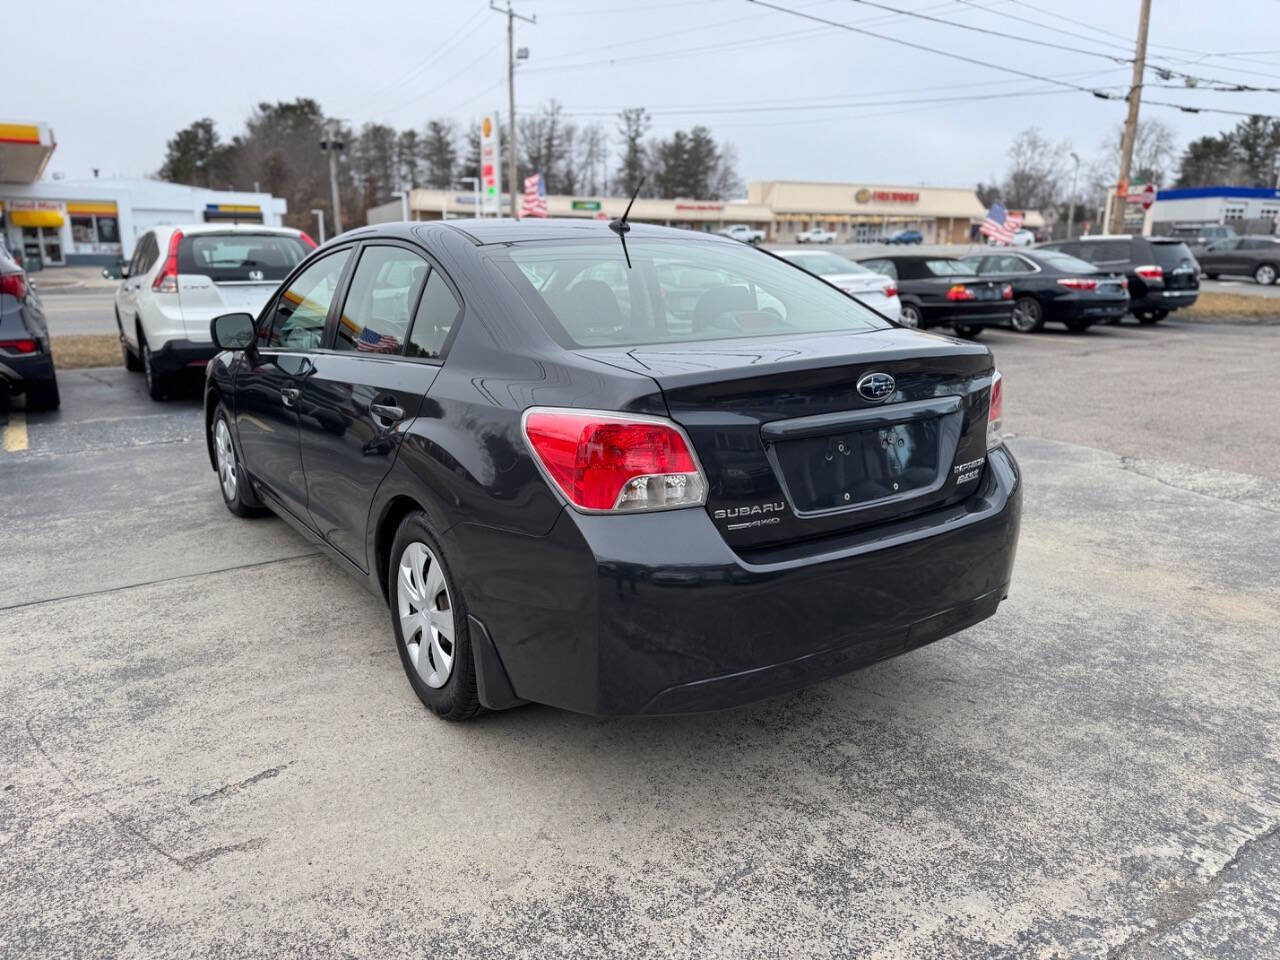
(208, 748)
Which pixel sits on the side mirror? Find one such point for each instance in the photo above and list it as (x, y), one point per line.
(233, 331)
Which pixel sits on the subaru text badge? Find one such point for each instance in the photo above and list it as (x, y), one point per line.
(876, 386)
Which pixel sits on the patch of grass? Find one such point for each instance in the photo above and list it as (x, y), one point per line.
(86, 350)
(1232, 305)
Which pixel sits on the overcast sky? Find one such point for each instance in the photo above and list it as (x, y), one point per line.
(800, 100)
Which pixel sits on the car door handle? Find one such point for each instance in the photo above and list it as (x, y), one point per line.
(386, 411)
(289, 395)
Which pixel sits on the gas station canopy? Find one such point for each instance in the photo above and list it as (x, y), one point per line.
(25, 149)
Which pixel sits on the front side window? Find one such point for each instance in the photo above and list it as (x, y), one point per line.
(724, 290)
(947, 268)
(1007, 264)
(438, 311)
(384, 291)
(1224, 245)
(1065, 262)
(297, 317)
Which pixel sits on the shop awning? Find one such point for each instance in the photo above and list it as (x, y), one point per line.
(35, 218)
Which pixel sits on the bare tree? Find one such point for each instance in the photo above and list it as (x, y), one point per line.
(1035, 174)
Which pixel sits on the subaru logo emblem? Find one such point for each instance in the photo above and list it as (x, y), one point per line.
(876, 386)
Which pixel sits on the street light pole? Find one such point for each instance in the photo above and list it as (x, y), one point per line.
(512, 17)
(1118, 202)
(331, 145)
(1071, 208)
(319, 213)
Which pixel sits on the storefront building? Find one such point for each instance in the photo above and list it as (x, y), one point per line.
(690, 214)
(1248, 209)
(856, 213)
(68, 222)
(866, 212)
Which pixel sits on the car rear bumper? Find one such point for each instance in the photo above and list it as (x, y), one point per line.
(656, 614)
(17, 372)
(177, 355)
(1164, 300)
(1087, 308)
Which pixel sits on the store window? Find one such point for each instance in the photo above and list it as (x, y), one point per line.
(108, 230)
(1233, 213)
(82, 229)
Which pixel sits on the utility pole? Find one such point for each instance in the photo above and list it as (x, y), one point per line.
(512, 17)
(1119, 202)
(331, 145)
(1071, 201)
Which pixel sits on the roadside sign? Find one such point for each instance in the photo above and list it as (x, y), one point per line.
(586, 204)
(1148, 196)
(490, 168)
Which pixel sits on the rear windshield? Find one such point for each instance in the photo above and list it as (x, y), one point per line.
(1064, 261)
(675, 291)
(1173, 255)
(823, 264)
(240, 256)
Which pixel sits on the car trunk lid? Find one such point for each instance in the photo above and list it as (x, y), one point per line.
(794, 450)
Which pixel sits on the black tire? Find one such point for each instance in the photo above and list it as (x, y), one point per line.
(911, 316)
(1078, 324)
(456, 698)
(1265, 274)
(132, 362)
(967, 331)
(241, 501)
(43, 394)
(157, 383)
(1149, 317)
(1027, 312)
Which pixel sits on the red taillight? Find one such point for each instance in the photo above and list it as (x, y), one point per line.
(891, 291)
(166, 280)
(995, 411)
(1150, 272)
(1124, 283)
(307, 241)
(961, 292)
(14, 284)
(19, 346)
(610, 461)
(1006, 292)
(1078, 283)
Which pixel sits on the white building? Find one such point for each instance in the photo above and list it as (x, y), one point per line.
(98, 221)
(1199, 205)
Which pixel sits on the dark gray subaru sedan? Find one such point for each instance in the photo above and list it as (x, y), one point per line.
(616, 468)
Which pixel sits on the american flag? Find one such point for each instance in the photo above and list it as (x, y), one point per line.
(1000, 224)
(372, 341)
(535, 197)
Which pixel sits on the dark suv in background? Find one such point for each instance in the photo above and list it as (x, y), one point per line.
(1162, 272)
(26, 363)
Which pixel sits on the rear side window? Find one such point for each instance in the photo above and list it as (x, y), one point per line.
(1261, 244)
(298, 314)
(384, 291)
(1007, 263)
(227, 257)
(438, 311)
(1106, 251)
(948, 268)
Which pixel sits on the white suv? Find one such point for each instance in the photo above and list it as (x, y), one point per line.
(180, 278)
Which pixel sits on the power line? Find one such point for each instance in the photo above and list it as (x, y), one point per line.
(993, 33)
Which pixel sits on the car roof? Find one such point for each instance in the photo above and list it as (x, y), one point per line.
(805, 251)
(907, 257)
(497, 231)
(188, 229)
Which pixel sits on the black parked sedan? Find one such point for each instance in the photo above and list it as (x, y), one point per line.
(943, 291)
(572, 487)
(1052, 286)
(26, 363)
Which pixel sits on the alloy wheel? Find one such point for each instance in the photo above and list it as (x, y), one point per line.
(225, 454)
(909, 317)
(426, 614)
(1265, 274)
(1024, 316)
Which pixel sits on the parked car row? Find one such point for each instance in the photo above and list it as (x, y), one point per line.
(26, 361)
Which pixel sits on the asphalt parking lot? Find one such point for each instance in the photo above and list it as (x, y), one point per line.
(210, 749)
